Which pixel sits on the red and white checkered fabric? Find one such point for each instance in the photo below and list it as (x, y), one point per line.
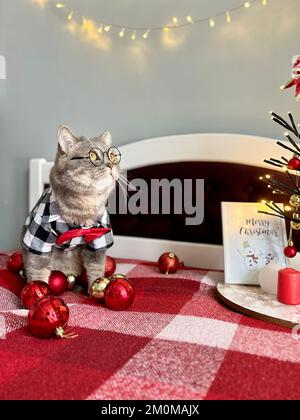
(177, 341)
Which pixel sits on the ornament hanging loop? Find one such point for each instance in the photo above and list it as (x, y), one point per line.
(62, 333)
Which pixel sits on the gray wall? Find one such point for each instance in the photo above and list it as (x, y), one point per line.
(221, 80)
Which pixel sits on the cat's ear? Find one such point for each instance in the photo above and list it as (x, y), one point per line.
(106, 138)
(66, 139)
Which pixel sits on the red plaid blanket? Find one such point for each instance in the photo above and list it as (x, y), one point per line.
(177, 341)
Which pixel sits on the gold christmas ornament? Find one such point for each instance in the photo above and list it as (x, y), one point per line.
(295, 200)
(118, 276)
(295, 225)
(71, 281)
(98, 288)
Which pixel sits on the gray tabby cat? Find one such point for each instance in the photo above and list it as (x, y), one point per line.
(79, 190)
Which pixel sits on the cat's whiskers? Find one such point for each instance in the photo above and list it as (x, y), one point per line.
(128, 183)
(123, 190)
(123, 181)
(125, 186)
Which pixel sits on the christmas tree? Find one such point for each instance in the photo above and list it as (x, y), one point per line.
(291, 187)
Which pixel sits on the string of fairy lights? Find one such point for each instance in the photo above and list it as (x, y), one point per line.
(99, 27)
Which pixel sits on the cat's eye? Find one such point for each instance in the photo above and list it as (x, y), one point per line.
(93, 156)
(96, 157)
(114, 155)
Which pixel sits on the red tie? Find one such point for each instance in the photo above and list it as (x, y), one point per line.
(88, 235)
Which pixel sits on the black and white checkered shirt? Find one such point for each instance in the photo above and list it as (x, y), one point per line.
(44, 225)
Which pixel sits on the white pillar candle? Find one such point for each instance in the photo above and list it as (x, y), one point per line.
(268, 278)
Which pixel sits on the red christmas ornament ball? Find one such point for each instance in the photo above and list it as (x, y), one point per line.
(168, 263)
(290, 252)
(110, 266)
(33, 292)
(15, 262)
(58, 283)
(119, 294)
(294, 164)
(48, 317)
(12, 282)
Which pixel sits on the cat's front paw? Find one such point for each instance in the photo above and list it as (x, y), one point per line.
(37, 276)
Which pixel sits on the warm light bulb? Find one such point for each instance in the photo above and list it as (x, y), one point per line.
(107, 28)
(247, 4)
(264, 2)
(175, 20)
(189, 19)
(212, 23)
(133, 36)
(60, 5)
(145, 35)
(87, 24)
(166, 29)
(228, 17)
(100, 29)
(122, 33)
(70, 15)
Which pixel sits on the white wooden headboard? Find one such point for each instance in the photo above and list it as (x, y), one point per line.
(231, 148)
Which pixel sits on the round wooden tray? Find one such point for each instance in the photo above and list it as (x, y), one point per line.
(252, 301)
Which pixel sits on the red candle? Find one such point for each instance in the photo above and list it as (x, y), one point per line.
(289, 286)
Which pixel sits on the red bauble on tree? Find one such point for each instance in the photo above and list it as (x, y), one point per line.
(48, 318)
(15, 262)
(33, 292)
(294, 164)
(168, 263)
(290, 251)
(58, 283)
(110, 266)
(119, 294)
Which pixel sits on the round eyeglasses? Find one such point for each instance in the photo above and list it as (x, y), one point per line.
(96, 156)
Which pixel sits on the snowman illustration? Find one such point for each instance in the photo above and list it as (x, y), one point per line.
(250, 256)
(268, 257)
(253, 259)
